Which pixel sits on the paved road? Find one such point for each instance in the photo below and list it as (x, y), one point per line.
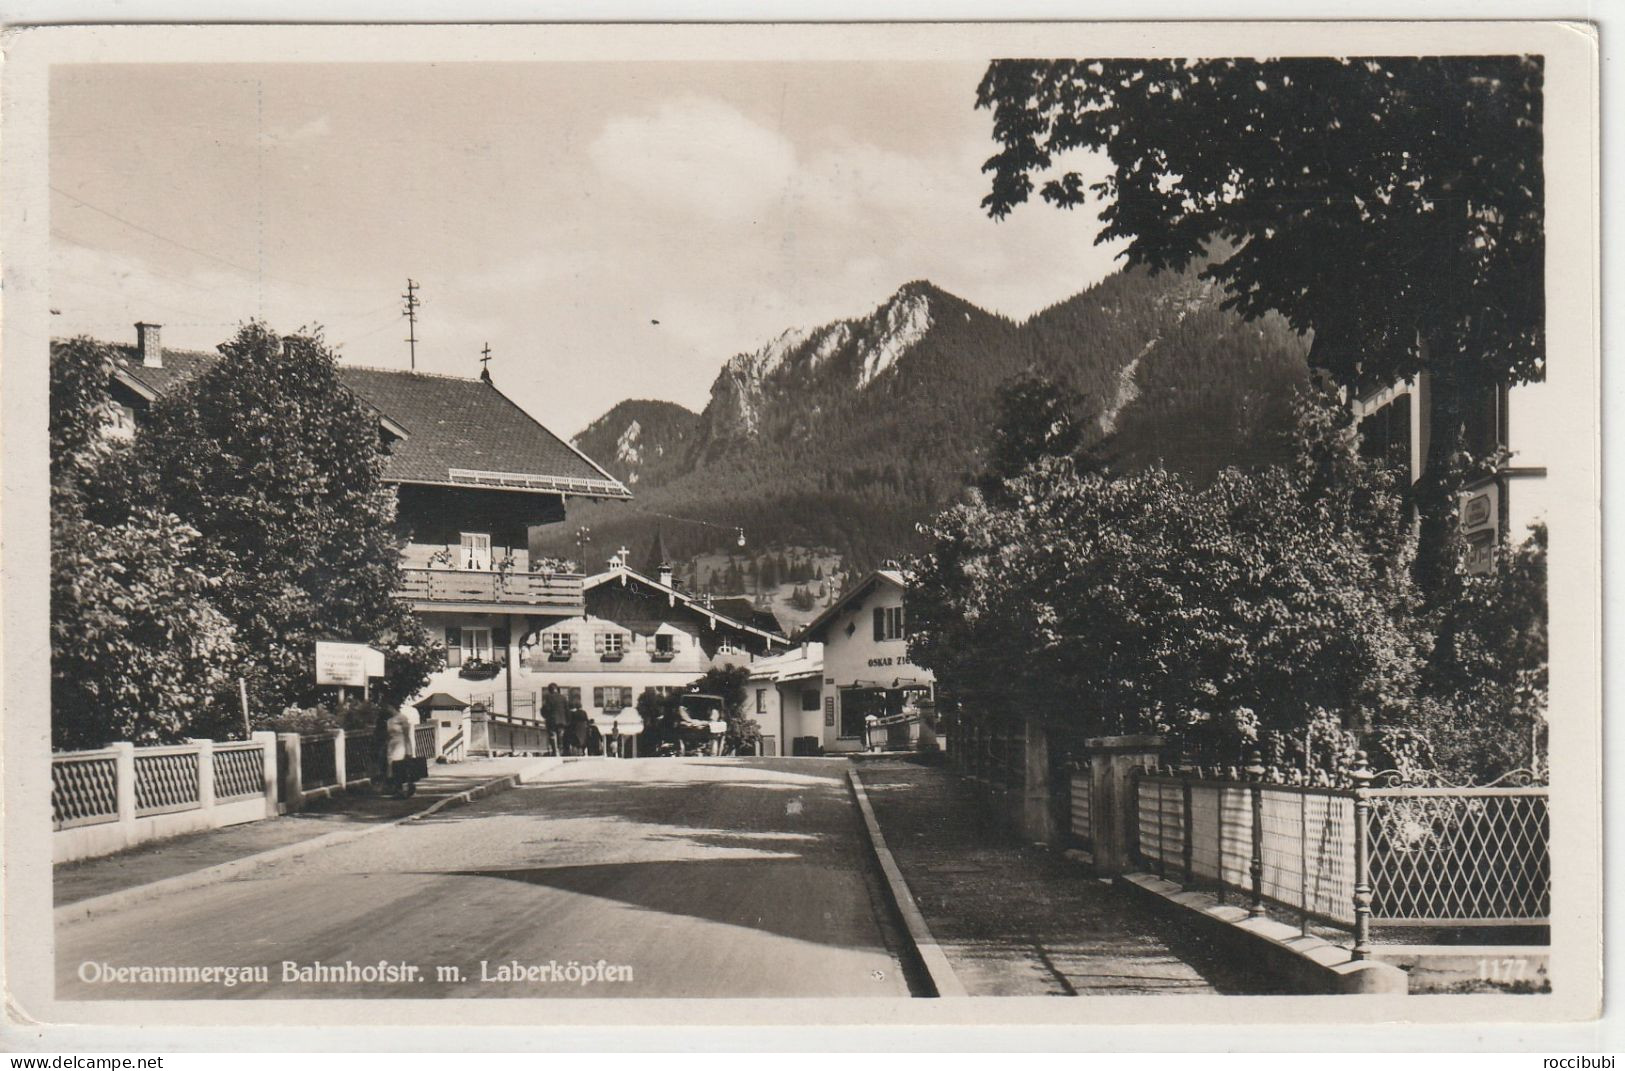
(704, 878)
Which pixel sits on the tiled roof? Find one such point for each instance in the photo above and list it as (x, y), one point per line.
(461, 432)
(736, 621)
(815, 628)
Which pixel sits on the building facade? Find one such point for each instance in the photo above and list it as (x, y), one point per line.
(866, 666)
(630, 633)
(785, 696)
(1394, 423)
(473, 474)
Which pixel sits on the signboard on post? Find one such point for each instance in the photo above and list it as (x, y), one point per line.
(347, 664)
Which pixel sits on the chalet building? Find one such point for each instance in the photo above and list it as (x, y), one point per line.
(866, 666)
(473, 473)
(1394, 423)
(633, 632)
(785, 697)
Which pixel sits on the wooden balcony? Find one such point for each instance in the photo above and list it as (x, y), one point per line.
(479, 590)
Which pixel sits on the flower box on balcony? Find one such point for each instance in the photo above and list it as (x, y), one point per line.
(611, 656)
(662, 656)
(559, 656)
(479, 670)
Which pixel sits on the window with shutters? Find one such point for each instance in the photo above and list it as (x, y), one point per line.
(610, 646)
(888, 622)
(611, 698)
(665, 646)
(454, 647)
(728, 648)
(560, 646)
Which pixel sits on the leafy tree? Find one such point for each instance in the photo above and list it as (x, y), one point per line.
(1485, 685)
(280, 468)
(1138, 602)
(137, 651)
(1037, 418)
(1392, 207)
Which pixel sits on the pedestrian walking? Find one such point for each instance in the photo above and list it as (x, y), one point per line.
(556, 714)
(580, 736)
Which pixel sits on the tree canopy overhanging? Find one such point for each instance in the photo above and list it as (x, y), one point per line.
(1393, 208)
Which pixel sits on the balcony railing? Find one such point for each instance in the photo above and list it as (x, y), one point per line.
(557, 590)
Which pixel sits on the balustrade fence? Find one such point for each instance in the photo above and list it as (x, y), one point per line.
(1080, 802)
(108, 799)
(1352, 857)
(512, 735)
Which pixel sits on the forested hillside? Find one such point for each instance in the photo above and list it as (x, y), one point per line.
(640, 440)
(848, 434)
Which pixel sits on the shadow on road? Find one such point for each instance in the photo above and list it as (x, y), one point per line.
(788, 900)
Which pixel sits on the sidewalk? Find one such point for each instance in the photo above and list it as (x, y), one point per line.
(1020, 921)
(174, 856)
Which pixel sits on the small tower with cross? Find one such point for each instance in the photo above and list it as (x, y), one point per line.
(485, 363)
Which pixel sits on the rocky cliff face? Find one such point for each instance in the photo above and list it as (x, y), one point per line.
(848, 434)
(755, 392)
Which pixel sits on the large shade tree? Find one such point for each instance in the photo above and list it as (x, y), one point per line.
(1392, 207)
(280, 467)
(1139, 602)
(138, 653)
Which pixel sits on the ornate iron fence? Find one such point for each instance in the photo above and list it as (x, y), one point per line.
(358, 758)
(84, 789)
(318, 761)
(166, 779)
(1353, 856)
(239, 771)
(1459, 856)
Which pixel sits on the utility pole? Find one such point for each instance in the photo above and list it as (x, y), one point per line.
(411, 314)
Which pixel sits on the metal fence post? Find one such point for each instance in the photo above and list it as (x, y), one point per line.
(1255, 773)
(1186, 831)
(1361, 775)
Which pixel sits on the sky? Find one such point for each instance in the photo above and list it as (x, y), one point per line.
(554, 211)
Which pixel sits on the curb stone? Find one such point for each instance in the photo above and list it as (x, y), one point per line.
(212, 875)
(939, 972)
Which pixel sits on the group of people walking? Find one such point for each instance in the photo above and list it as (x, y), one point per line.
(570, 728)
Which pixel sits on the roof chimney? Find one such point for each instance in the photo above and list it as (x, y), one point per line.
(150, 345)
(665, 573)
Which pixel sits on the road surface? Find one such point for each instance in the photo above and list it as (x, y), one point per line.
(640, 878)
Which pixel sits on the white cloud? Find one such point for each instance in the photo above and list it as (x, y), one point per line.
(697, 153)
